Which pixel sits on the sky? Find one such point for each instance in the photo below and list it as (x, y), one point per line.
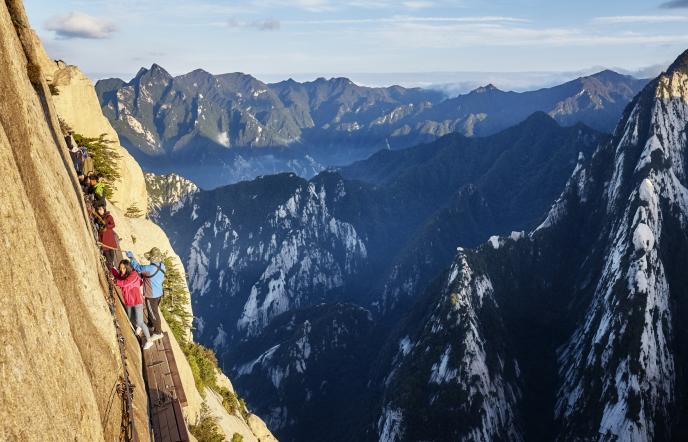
(456, 43)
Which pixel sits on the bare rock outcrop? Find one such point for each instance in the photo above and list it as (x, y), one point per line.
(59, 357)
(77, 105)
(60, 361)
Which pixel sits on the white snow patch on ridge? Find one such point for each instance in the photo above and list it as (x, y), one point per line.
(643, 238)
(646, 192)
(223, 138)
(440, 373)
(390, 425)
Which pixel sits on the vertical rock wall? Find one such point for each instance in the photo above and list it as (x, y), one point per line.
(59, 358)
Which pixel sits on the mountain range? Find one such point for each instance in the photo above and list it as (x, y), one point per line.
(523, 285)
(220, 129)
(351, 242)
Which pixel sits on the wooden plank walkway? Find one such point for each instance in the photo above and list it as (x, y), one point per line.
(165, 393)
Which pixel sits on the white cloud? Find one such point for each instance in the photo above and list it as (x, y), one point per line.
(269, 24)
(454, 35)
(418, 4)
(308, 5)
(80, 25)
(637, 19)
(266, 25)
(407, 19)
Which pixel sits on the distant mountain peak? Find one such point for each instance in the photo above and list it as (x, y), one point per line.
(199, 72)
(157, 68)
(608, 74)
(141, 72)
(540, 118)
(487, 88)
(155, 71)
(334, 81)
(341, 80)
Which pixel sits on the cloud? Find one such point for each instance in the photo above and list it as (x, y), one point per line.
(418, 4)
(408, 19)
(650, 71)
(269, 24)
(674, 4)
(456, 35)
(308, 5)
(80, 25)
(637, 19)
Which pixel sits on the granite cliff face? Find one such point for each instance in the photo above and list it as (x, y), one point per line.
(77, 105)
(55, 310)
(54, 313)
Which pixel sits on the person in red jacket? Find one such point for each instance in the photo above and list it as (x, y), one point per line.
(106, 233)
(130, 282)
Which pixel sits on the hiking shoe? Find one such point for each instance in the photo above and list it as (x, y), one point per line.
(147, 345)
(139, 331)
(156, 336)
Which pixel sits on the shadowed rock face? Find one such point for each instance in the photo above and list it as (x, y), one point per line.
(59, 358)
(577, 331)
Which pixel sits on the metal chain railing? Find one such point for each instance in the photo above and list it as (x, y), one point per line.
(123, 387)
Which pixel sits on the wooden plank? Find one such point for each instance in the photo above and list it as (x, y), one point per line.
(156, 427)
(181, 424)
(174, 371)
(164, 432)
(165, 391)
(168, 426)
(173, 425)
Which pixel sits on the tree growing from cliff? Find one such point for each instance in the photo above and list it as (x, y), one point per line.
(201, 359)
(64, 127)
(205, 429)
(133, 211)
(105, 158)
(174, 303)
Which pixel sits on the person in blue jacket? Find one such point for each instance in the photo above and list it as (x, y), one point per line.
(153, 276)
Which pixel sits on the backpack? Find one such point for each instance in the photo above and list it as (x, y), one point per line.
(147, 285)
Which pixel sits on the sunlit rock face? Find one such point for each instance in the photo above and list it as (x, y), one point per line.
(54, 311)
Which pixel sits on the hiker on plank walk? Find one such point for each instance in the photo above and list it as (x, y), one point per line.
(106, 233)
(87, 164)
(130, 282)
(153, 276)
(96, 189)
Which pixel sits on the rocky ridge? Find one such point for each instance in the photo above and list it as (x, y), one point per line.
(601, 287)
(221, 129)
